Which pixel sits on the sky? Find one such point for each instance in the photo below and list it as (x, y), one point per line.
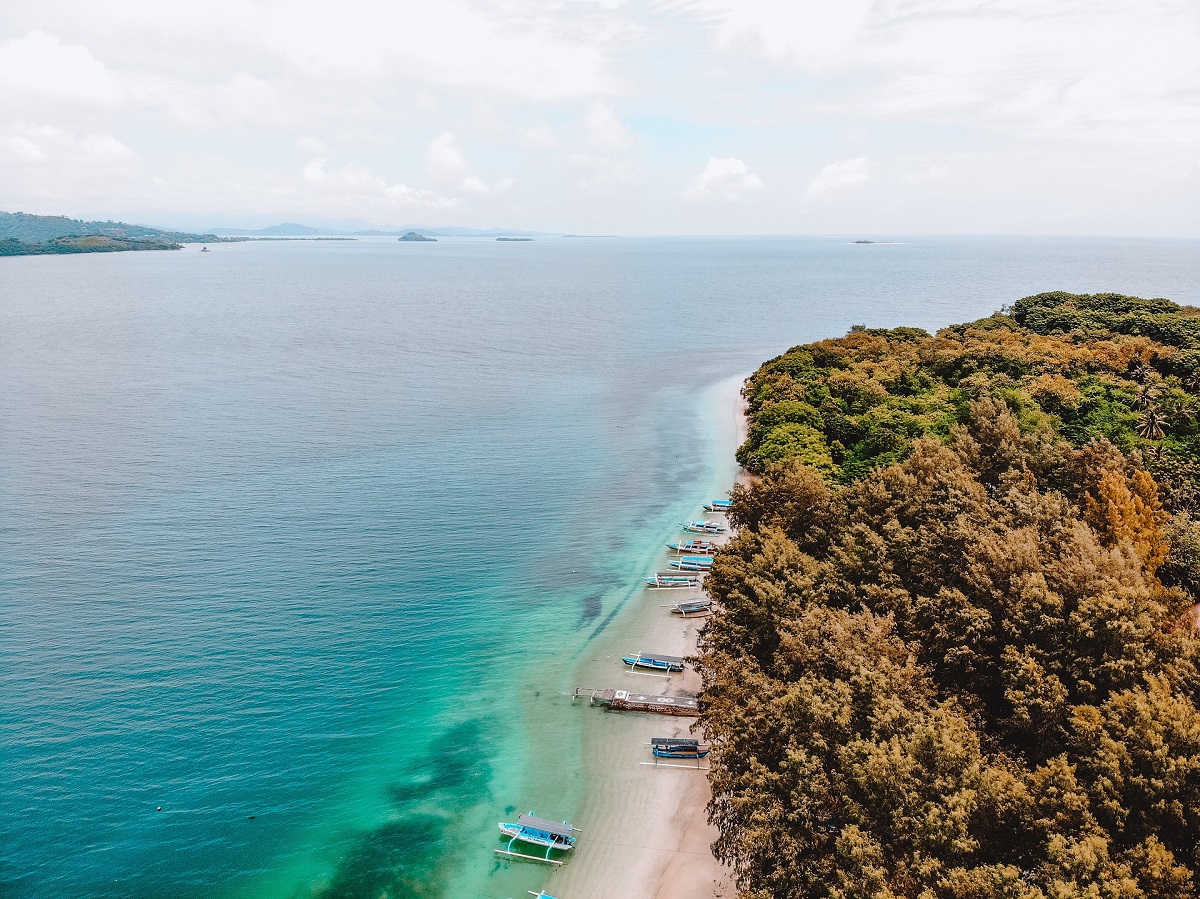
(1076, 117)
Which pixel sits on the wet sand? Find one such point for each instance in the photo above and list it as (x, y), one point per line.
(646, 830)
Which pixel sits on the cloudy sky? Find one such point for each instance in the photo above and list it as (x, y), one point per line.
(664, 117)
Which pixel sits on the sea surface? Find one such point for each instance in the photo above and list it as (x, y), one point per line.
(299, 540)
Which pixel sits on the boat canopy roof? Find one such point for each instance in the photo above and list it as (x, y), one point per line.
(535, 823)
(674, 743)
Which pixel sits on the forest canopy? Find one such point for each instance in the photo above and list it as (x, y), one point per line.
(951, 659)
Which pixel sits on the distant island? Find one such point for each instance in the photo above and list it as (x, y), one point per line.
(416, 236)
(514, 238)
(353, 229)
(864, 241)
(22, 234)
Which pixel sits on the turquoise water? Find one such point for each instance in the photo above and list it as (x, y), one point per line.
(297, 540)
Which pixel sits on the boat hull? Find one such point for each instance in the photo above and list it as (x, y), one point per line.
(521, 835)
(676, 754)
(652, 664)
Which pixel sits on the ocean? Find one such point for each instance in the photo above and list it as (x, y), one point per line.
(301, 541)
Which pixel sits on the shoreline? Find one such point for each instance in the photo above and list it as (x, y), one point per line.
(646, 829)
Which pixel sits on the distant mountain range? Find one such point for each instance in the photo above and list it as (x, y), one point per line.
(22, 234)
(291, 229)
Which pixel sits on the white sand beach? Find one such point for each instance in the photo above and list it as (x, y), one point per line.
(646, 830)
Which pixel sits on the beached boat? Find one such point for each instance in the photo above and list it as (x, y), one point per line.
(672, 580)
(654, 661)
(692, 607)
(703, 527)
(692, 563)
(704, 547)
(678, 748)
(718, 505)
(554, 836)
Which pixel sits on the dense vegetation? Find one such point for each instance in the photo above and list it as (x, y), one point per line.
(951, 660)
(22, 234)
(95, 244)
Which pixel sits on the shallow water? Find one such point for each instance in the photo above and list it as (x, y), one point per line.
(295, 536)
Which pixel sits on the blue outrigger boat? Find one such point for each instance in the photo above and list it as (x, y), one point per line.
(718, 505)
(692, 607)
(703, 527)
(672, 580)
(693, 546)
(556, 836)
(692, 563)
(678, 748)
(654, 661)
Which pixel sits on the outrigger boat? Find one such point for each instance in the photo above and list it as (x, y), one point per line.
(692, 563)
(693, 546)
(554, 835)
(703, 527)
(654, 661)
(678, 748)
(691, 607)
(672, 580)
(719, 505)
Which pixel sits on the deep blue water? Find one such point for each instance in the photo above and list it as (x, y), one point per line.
(285, 527)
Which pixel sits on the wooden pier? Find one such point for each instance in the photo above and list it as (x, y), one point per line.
(625, 701)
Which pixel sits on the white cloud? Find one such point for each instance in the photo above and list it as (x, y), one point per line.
(250, 105)
(725, 178)
(605, 132)
(413, 198)
(38, 68)
(540, 136)
(809, 34)
(445, 163)
(839, 176)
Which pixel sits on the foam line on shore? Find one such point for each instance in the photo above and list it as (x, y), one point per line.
(648, 830)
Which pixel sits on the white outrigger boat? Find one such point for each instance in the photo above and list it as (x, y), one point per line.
(672, 580)
(718, 505)
(654, 661)
(692, 563)
(701, 547)
(703, 527)
(692, 607)
(555, 836)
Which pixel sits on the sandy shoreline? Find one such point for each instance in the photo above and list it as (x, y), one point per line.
(646, 830)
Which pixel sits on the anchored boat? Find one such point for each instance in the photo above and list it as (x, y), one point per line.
(672, 580)
(692, 563)
(718, 505)
(555, 836)
(706, 547)
(654, 661)
(678, 748)
(702, 527)
(692, 607)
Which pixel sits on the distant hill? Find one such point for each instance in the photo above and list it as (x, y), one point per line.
(92, 243)
(287, 229)
(291, 229)
(41, 229)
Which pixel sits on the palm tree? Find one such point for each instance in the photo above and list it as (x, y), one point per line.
(1146, 397)
(1151, 425)
(1192, 382)
(1140, 371)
